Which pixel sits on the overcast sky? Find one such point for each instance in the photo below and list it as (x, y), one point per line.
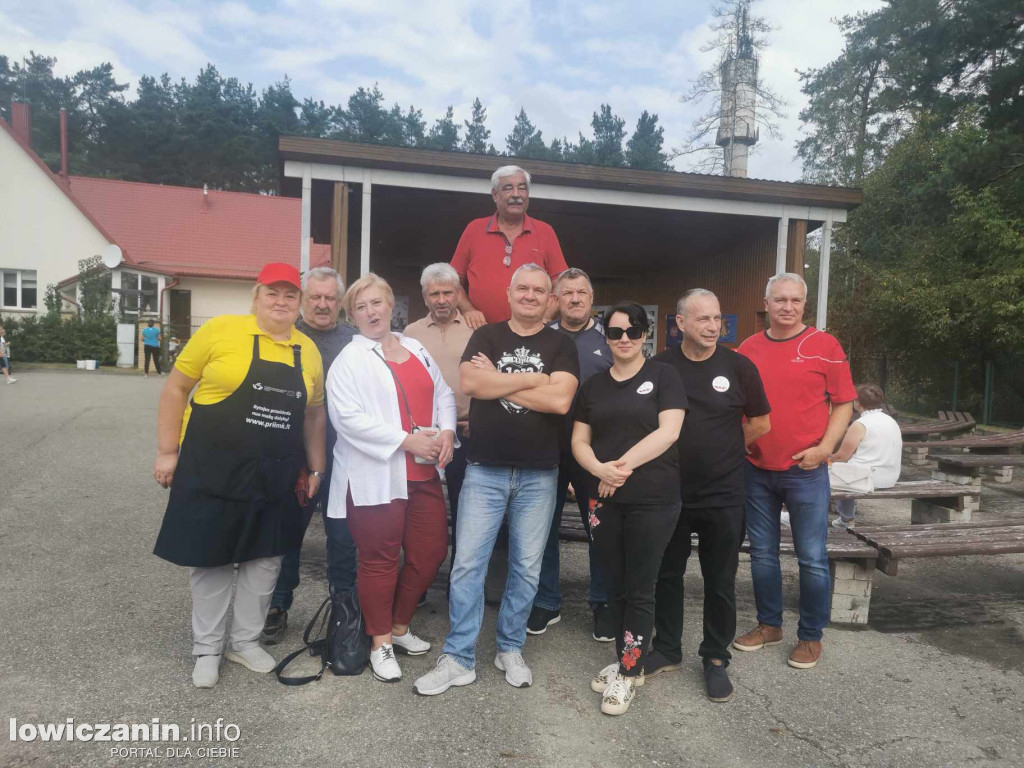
(560, 59)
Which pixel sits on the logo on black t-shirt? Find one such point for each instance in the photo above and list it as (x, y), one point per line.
(520, 361)
(720, 384)
(645, 388)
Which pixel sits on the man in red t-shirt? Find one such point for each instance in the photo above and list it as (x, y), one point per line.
(807, 380)
(492, 248)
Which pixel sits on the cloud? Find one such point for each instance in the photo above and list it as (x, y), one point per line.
(559, 59)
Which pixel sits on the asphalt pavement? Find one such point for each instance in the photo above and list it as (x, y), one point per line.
(96, 629)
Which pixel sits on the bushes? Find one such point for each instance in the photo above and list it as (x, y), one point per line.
(51, 339)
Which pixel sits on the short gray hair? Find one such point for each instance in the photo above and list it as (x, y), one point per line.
(531, 267)
(324, 273)
(441, 272)
(685, 298)
(573, 273)
(783, 277)
(508, 170)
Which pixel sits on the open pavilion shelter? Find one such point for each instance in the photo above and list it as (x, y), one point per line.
(641, 235)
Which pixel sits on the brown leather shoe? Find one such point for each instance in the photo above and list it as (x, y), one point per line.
(758, 638)
(806, 654)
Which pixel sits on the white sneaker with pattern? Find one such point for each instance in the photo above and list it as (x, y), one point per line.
(618, 696)
(608, 675)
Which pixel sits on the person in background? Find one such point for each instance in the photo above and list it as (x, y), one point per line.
(873, 442)
(321, 308)
(395, 418)
(491, 249)
(627, 422)
(445, 333)
(575, 296)
(521, 376)
(151, 346)
(173, 345)
(232, 457)
(807, 380)
(728, 411)
(5, 356)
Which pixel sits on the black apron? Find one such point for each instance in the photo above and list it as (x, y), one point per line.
(233, 495)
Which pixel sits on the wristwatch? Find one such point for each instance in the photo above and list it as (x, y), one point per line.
(317, 473)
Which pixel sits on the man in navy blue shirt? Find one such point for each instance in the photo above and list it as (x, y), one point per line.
(575, 296)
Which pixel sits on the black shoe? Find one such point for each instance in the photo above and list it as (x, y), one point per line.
(274, 627)
(655, 663)
(540, 619)
(717, 681)
(604, 632)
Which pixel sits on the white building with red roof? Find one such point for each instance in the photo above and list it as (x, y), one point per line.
(187, 254)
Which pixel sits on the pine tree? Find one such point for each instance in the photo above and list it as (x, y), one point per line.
(609, 131)
(525, 140)
(644, 148)
(444, 133)
(477, 133)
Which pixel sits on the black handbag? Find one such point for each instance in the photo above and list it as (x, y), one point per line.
(345, 647)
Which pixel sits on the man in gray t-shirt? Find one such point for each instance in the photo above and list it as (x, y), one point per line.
(575, 296)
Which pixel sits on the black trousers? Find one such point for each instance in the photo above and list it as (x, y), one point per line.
(720, 531)
(152, 353)
(454, 475)
(630, 540)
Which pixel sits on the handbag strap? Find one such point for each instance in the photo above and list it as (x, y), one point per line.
(310, 646)
(398, 383)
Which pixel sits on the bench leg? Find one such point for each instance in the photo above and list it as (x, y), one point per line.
(970, 476)
(924, 513)
(851, 590)
(915, 456)
(1001, 474)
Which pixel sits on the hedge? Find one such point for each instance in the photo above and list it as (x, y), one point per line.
(52, 339)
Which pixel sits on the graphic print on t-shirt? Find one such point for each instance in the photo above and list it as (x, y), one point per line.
(522, 360)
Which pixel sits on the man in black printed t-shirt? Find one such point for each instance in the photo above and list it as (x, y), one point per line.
(723, 387)
(521, 377)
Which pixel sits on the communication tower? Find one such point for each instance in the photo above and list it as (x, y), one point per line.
(737, 129)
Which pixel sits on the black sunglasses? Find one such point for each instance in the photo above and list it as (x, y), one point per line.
(634, 332)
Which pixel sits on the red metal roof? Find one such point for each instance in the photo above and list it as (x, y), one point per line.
(179, 231)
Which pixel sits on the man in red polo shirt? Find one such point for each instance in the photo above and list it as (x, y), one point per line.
(807, 380)
(492, 248)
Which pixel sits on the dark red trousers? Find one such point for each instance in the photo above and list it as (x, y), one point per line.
(388, 594)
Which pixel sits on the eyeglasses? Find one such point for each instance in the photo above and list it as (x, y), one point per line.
(634, 332)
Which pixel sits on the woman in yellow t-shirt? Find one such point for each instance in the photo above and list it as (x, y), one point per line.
(231, 458)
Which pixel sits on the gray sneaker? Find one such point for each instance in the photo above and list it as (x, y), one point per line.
(517, 674)
(447, 673)
(207, 671)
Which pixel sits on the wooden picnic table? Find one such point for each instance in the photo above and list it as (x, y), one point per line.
(1007, 442)
(899, 542)
(931, 501)
(946, 423)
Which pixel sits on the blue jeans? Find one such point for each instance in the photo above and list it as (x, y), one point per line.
(341, 562)
(549, 591)
(806, 494)
(527, 496)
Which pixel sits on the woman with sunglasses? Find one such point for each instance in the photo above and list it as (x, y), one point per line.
(627, 418)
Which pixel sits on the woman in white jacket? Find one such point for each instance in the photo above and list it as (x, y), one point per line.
(395, 418)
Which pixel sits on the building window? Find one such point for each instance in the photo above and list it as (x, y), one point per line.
(18, 288)
(138, 291)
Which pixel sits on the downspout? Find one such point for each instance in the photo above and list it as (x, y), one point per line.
(164, 290)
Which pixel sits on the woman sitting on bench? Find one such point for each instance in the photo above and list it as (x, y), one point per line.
(870, 455)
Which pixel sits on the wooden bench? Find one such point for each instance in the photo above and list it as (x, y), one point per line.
(946, 423)
(1008, 442)
(931, 501)
(967, 468)
(899, 542)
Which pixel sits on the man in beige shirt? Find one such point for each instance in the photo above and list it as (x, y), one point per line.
(445, 333)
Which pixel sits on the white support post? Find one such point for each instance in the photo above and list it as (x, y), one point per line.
(307, 207)
(115, 287)
(823, 266)
(364, 229)
(780, 253)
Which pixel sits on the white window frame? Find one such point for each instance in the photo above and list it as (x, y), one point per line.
(3, 287)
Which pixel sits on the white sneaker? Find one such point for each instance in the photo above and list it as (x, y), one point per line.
(843, 524)
(206, 672)
(618, 696)
(784, 518)
(11, 380)
(517, 674)
(606, 676)
(254, 658)
(410, 644)
(447, 673)
(385, 667)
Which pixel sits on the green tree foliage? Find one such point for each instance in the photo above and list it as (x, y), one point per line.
(609, 131)
(477, 132)
(917, 109)
(644, 148)
(53, 340)
(525, 140)
(96, 295)
(444, 133)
